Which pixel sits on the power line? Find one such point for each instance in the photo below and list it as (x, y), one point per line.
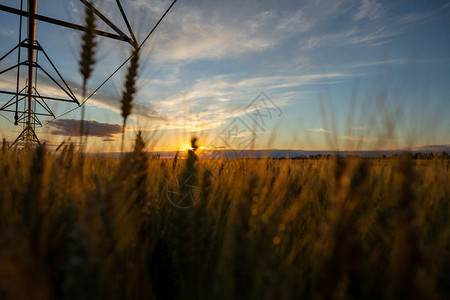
(110, 76)
(7, 119)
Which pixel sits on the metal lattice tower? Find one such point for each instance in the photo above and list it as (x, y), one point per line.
(27, 103)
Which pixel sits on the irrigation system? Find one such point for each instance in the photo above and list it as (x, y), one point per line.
(26, 102)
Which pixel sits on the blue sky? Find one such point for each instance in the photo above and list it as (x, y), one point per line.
(335, 74)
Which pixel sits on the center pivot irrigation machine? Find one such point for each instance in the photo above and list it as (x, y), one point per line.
(27, 103)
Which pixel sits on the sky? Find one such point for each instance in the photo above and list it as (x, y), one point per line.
(309, 75)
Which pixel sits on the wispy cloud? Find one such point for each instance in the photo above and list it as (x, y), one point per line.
(209, 102)
(361, 127)
(319, 130)
(395, 61)
(216, 30)
(445, 6)
(433, 148)
(209, 43)
(368, 9)
(370, 36)
(368, 139)
(6, 32)
(194, 33)
(415, 17)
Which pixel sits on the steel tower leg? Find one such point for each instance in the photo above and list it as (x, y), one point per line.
(32, 9)
(28, 136)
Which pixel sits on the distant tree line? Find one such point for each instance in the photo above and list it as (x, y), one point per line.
(418, 155)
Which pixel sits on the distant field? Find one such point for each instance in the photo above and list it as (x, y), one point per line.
(141, 228)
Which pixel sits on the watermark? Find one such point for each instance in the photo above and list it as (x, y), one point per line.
(181, 193)
(262, 110)
(241, 132)
(237, 136)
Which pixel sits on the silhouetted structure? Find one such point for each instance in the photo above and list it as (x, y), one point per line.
(27, 103)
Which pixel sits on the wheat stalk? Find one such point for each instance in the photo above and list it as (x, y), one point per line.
(87, 61)
(129, 91)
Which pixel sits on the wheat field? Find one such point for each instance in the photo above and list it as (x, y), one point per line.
(74, 226)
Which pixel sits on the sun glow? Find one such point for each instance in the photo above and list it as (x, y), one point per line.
(186, 148)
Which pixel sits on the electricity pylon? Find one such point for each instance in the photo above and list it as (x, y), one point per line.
(34, 104)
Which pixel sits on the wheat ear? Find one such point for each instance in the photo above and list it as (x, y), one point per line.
(129, 91)
(87, 60)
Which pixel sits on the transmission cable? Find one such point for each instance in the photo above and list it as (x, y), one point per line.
(114, 73)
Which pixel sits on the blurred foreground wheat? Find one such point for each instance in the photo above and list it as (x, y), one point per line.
(261, 229)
